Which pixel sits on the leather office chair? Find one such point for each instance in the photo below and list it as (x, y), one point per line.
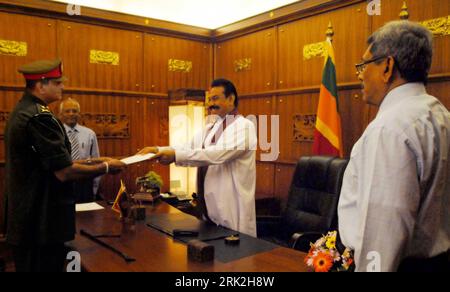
(312, 204)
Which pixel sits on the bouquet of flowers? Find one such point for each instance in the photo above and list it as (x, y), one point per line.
(325, 257)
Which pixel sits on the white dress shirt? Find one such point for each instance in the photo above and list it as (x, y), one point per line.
(395, 197)
(231, 178)
(88, 146)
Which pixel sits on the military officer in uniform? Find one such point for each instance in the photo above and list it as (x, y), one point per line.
(39, 171)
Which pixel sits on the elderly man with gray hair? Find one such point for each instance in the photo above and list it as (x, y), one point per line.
(84, 147)
(395, 198)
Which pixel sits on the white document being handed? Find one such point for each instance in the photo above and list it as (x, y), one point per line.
(137, 158)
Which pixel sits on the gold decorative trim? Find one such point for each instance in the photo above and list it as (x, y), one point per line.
(102, 57)
(13, 48)
(107, 126)
(314, 50)
(319, 49)
(330, 31)
(243, 65)
(304, 125)
(438, 26)
(180, 66)
(404, 14)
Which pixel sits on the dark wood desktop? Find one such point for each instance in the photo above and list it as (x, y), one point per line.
(158, 252)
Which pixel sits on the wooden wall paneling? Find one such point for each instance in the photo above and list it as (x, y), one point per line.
(2, 200)
(114, 105)
(148, 126)
(75, 41)
(156, 126)
(290, 12)
(420, 11)
(106, 18)
(156, 133)
(283, 180)
(8, 100)
(441, 90)
(264, 180)
(352, 110)
(350, 27)
(287, 107)
(259, 47)
(371, 112)
(39, 34)
(212, 64)
(157, 52)
(144, 131)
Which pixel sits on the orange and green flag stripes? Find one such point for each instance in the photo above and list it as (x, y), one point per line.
(328, 133)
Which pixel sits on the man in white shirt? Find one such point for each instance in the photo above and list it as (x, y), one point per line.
(84, 147)
(394, 203)
(224, 153)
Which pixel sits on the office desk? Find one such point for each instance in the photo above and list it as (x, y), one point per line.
(157, 252)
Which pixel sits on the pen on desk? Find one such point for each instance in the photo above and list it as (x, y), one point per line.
(104, 244)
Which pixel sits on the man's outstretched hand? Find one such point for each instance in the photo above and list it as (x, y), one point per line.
(164, 156)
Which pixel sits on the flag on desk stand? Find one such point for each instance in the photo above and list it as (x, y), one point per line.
(121, 195)
(328, 133)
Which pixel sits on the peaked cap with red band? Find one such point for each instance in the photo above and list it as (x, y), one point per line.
(43, 69)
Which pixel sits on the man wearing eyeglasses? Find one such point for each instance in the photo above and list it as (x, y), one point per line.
(395, 198)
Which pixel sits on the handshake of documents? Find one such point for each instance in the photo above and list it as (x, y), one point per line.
(137, 158)
(165, 155)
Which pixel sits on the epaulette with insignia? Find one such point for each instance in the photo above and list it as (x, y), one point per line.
(42, 109)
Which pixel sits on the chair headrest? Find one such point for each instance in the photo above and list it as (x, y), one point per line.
(320, 173)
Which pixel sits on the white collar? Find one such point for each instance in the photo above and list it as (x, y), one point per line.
(70, 129)
(400, 93)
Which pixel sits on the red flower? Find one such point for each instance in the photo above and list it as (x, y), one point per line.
(323, 263)
(349, 262)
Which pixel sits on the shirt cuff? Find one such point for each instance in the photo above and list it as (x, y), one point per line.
(181, 156)
(162, 148)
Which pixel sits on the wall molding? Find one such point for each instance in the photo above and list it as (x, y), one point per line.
(435, 78)
(282, 15)
(57, 10)
(91, 91)
(291, 12)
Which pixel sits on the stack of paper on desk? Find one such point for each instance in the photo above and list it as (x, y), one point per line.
(88, 207)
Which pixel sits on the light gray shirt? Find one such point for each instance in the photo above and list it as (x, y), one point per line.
(88, 146)
(395, 200)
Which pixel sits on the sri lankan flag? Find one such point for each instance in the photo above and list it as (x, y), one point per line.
(328, 134)
(121, 196)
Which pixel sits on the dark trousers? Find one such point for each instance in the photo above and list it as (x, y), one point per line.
(47, 258)
(437, 264)
(83, 190)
